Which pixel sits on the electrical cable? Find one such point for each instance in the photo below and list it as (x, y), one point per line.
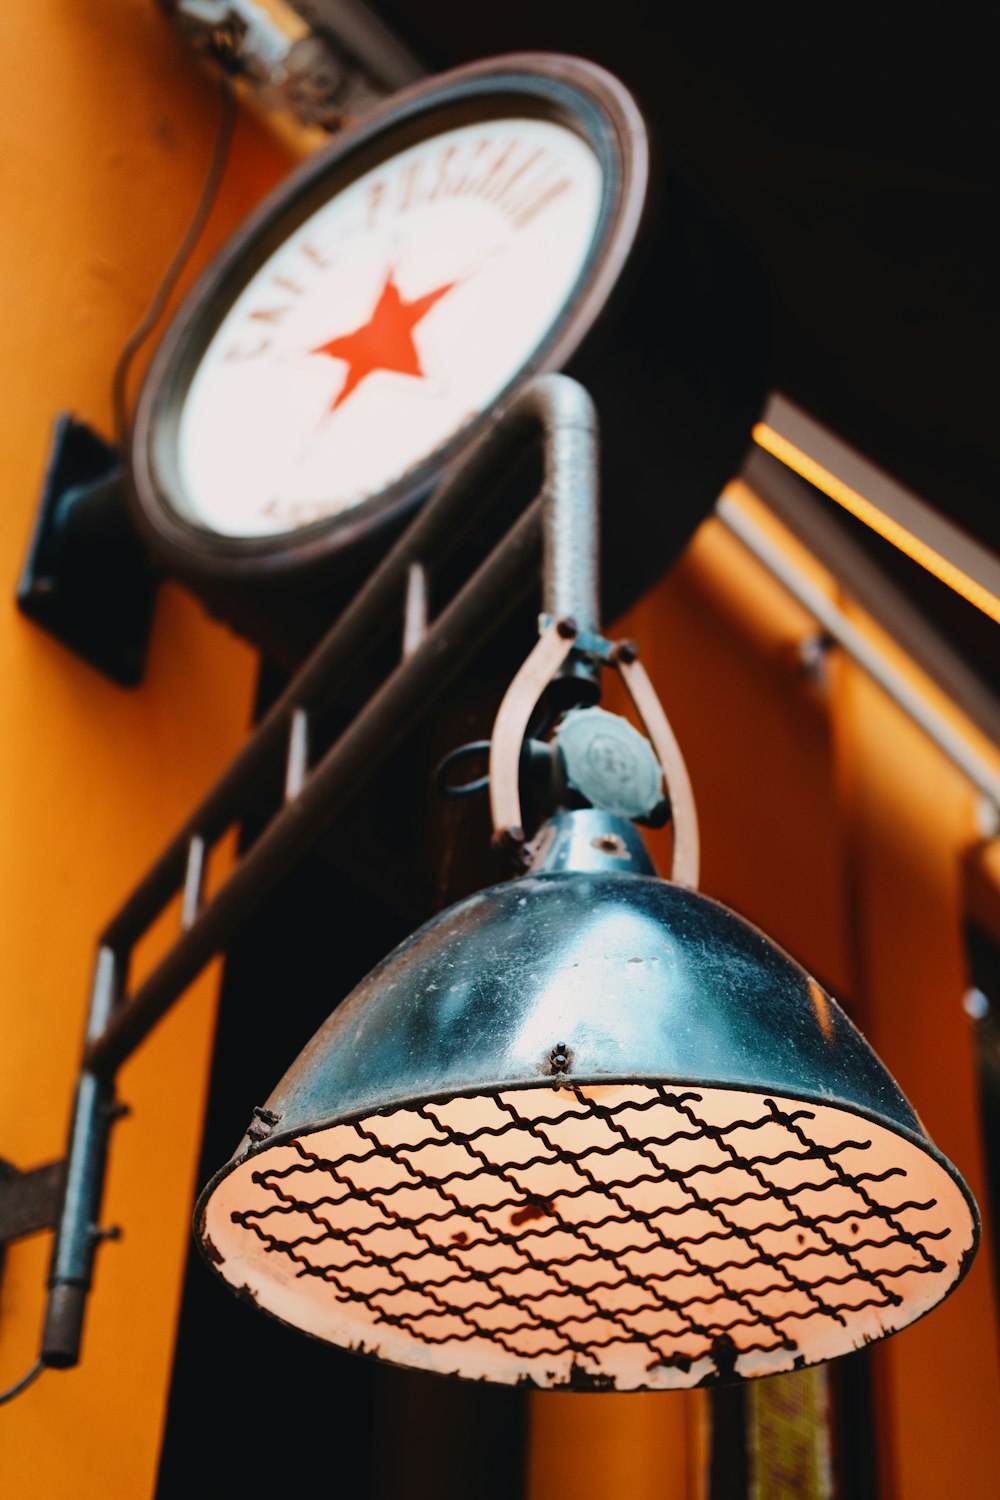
(22, 1384)
(469, 788)
(153, 314)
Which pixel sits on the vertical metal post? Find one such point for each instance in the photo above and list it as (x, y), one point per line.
(78, 1234)
(570, 516)
(569, 502)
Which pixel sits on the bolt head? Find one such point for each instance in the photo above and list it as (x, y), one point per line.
(559, 1057)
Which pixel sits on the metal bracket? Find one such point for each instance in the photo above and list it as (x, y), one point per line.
(87, 579)
(323, 61)
(686, 859)
(554, 645)
(559, 640)
(29, 1201)
(587, 644)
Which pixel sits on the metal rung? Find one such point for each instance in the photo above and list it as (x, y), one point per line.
(552, 409)
(194, 881)
(414, 609)
(297, 763)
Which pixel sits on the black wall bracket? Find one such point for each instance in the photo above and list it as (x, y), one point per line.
(87, 578)
(29, 1201)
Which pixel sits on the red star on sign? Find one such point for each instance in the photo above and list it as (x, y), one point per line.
(385, 342)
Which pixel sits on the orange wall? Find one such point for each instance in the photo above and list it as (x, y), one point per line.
(104, 139)
(912, 818)
(829, 820)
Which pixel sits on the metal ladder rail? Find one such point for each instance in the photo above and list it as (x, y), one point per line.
(561, 524)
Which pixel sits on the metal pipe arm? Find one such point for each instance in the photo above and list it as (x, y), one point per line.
(561, 525)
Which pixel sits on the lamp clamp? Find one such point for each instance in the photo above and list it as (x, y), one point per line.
(580, 733)
(594, 759)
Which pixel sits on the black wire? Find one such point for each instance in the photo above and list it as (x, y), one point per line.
(541, 721)
(539, 725)
(469, 788)
(217, 166)
(22, 1384)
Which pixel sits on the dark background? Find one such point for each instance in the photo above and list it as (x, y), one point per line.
(856, 150)
(859, 158)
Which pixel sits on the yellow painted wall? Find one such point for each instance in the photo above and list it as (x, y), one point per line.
(105, 134)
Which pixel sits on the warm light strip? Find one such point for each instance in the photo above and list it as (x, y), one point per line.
(814, 473)
(950, 737)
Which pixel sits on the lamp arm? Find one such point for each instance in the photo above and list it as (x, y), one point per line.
(552, 409)
(570, 509)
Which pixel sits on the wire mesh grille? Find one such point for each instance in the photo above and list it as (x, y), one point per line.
(602, 1237)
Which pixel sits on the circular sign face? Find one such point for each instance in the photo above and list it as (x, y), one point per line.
(352, 339)
(385, 324)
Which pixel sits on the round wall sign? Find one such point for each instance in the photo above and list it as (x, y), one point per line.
(347, 344)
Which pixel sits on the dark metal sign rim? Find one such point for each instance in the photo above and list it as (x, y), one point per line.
(576, 93)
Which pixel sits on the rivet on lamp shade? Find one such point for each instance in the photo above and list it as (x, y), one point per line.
(590, 1129)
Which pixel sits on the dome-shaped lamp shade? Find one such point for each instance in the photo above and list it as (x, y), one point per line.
(590, 1130)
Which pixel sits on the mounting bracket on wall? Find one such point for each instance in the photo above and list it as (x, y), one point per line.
(29, 1201)
(87, 578)
(315, 63)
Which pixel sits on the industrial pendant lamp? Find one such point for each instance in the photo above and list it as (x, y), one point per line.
(589, 1128)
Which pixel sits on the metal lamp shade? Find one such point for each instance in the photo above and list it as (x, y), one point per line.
(590, 1129)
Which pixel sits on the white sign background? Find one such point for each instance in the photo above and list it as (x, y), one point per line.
(504, 210)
